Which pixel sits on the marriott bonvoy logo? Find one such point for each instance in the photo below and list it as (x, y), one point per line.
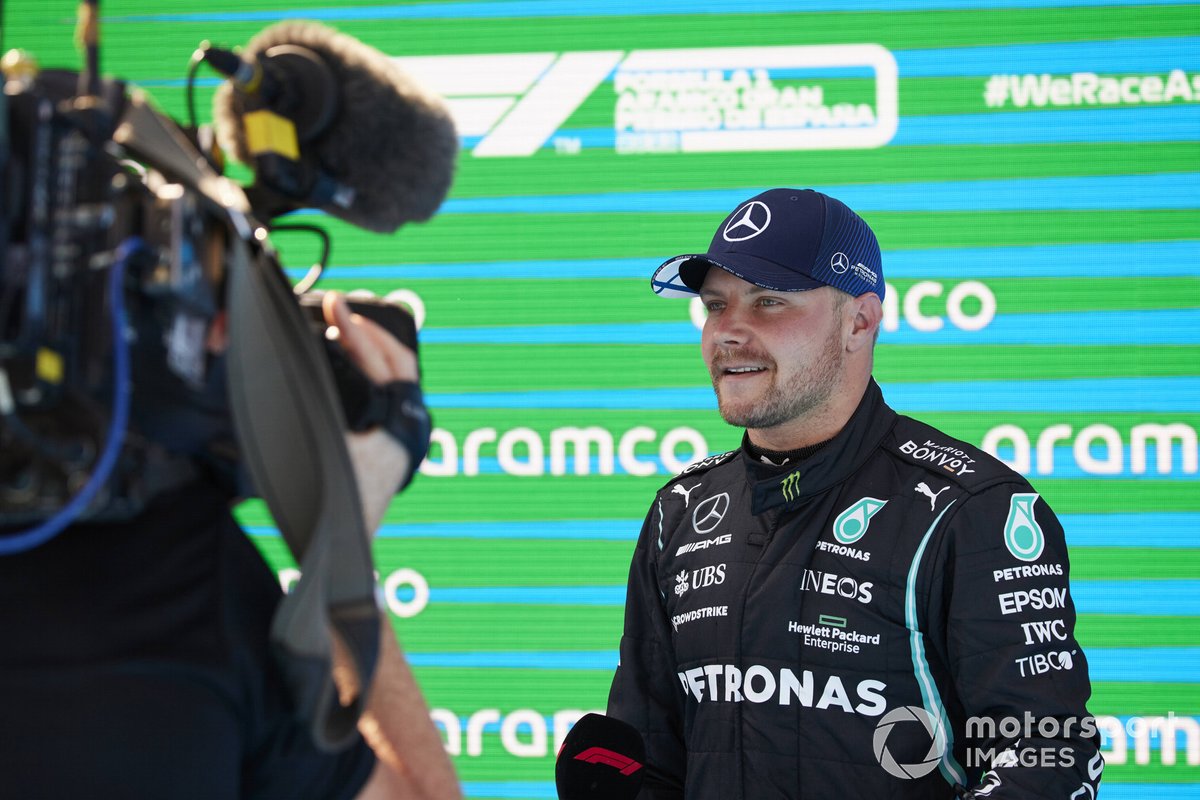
(693, 100)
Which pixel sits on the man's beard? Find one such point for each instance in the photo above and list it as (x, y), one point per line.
(805, 391)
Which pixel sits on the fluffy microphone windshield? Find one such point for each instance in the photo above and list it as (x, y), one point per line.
(390, 141)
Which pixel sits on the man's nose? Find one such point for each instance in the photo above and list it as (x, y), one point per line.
(730, 326)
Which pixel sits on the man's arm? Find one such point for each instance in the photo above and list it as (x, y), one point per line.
(644, 693)
(411, 759)
(1010, 637)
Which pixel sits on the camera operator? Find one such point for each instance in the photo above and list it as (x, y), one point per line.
(134, 656)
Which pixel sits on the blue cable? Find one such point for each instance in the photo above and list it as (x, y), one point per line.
(27, 540)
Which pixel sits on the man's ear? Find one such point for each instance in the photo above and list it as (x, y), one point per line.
(867, 314)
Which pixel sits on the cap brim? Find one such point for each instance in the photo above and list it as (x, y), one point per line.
(682, 276)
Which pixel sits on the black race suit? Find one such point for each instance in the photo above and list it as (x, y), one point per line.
(889, 619)
(134, 664)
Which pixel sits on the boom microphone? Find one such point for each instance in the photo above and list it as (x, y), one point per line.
(331, 123)
(601, 759)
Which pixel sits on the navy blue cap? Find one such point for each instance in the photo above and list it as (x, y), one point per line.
(786, 240)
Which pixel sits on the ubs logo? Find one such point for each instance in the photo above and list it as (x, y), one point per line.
(712, 575)
(710, 512)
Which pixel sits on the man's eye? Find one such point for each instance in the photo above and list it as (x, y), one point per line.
(714, 305)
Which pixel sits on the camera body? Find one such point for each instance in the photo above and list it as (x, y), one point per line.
(104, 255)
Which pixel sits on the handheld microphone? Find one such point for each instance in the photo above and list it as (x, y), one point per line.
(331, 123)
(601, 759)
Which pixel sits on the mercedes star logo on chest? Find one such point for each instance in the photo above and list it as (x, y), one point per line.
(710, 512)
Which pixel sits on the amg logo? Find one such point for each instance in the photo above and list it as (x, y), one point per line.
(704, 544)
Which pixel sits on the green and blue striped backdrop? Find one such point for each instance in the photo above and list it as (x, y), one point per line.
(1032, 169)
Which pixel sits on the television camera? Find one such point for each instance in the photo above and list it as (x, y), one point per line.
(126, 255)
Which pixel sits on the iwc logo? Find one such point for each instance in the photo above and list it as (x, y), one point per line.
(851, 524)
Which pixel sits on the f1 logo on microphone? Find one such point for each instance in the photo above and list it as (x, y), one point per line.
(600, 755)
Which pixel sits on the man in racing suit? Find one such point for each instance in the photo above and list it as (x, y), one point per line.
(853, 604)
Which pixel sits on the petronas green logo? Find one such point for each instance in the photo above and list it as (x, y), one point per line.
(1022, 533)
(852, 523)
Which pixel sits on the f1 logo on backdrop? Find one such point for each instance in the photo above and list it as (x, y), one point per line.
(703, 100)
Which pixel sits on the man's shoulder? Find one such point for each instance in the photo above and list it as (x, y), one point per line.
(939, 453)
(695, 469)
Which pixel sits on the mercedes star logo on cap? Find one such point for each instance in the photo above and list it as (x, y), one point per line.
(748, 221)
(839, 262)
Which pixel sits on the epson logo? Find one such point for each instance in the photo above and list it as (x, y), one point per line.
(829, 583)
(1036, 599)
(726, 683)
(704, 544)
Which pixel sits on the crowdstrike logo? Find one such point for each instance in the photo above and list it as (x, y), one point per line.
(915, 727)
(747, 222)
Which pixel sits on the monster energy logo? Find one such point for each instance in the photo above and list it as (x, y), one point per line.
(791, 486)
(852, 523)
(1022, 533)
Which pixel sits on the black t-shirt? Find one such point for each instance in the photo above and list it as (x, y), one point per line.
(134, 663)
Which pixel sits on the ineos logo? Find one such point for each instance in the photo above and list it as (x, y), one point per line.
(749, 221)
(839, 263)
(710, 512)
